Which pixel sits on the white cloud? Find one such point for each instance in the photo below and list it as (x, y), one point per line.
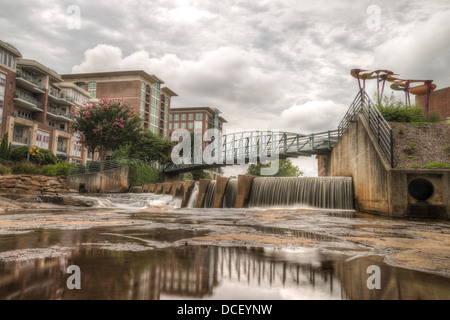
(420, 50)
(312, 116)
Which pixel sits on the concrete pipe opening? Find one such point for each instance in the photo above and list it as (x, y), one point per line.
(421, 189)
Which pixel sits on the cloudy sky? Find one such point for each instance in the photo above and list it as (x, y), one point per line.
(265, 64)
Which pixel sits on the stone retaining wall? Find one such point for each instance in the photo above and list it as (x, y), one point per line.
(33, 184)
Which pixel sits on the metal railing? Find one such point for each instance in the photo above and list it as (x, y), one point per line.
(379, 126)
(249, 146)
(28, 98)
(56, 112)
(27, 77)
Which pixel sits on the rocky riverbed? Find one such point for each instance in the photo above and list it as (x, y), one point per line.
(146, 231)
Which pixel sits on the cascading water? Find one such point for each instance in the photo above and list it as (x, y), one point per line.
(229, 199)
(322, 192)
(210, 192)
(193, 197)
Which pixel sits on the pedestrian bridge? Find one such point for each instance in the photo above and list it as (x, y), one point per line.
(252, 146)
(248, 146)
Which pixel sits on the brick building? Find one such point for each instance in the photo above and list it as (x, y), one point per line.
(140, 90)
(197, 119)
(439, 102)
(35, 106)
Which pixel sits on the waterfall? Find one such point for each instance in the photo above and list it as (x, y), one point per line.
(210, 192)
(322, 192)
(193, 197)
(229, 198)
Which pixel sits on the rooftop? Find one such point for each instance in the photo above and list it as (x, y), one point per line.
(211, 110)
(112, 74)
(10, 48)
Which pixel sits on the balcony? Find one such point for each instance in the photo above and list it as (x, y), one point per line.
(29, 83)
(27, 101)
(59, 98)
(56, 114)
(23, 116)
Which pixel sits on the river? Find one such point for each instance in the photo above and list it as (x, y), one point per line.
(144, 246)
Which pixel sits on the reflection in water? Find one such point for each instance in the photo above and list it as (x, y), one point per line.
(199, 272)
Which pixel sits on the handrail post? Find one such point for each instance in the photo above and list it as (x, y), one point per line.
(329, 139)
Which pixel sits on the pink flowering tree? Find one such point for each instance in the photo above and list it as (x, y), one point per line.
(106, 125)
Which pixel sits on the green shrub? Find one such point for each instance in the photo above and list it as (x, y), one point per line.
(4, 170)
(25, 168)
(141, 174)
(433, 117)
(60, 169)
(401, 113)
(436, 165)
(44, 156)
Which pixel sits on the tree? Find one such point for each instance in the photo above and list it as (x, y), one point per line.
(106, 125)
(285, 169)
(5, 149)
(147, 147)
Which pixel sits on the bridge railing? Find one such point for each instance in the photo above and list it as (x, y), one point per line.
(379, 126)
(251, 146)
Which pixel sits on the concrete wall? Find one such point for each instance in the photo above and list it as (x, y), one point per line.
(114, 180)
(378, 188)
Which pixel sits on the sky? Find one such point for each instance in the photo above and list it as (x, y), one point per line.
(278, 64)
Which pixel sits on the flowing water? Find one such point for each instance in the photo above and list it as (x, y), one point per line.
(144, 246)
(323, 192)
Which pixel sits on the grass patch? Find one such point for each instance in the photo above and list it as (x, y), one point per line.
(436, 165)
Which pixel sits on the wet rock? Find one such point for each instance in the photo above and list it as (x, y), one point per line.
(67, 200)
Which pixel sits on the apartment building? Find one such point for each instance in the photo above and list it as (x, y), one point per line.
(35, 106)
(143, 92)
(195, 119)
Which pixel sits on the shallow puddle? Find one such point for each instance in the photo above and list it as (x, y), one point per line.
(212, 272)
(162, 252)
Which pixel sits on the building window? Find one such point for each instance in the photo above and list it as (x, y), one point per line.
(7, 59)
(170, 126)
(170, 117)
(176, 117)
(190, 125)
(198, 125)
(92, 89)
(191, 116)
(42, 139)
(199, 116)
(183, 117)
(175, 125)
(183, 125)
